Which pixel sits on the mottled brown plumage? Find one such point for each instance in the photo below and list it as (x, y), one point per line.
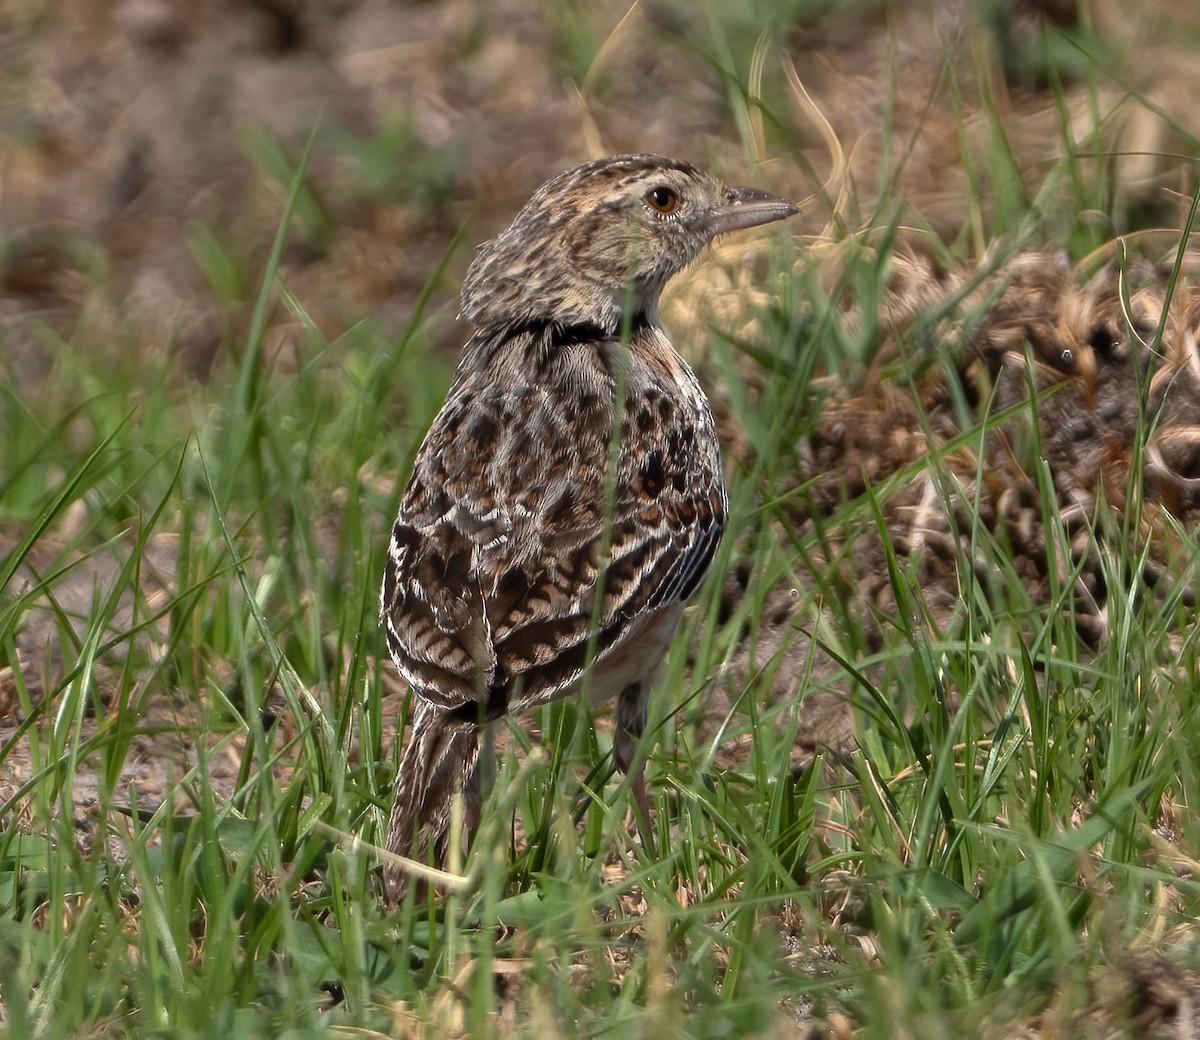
(568, 498)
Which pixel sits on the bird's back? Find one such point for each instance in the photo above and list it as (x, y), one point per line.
(529, 491)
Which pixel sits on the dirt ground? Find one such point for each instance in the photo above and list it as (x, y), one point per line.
(126, 124)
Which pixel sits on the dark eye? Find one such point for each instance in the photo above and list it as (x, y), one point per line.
(664, 200)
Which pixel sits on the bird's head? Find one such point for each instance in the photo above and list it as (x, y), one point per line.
(600, 241)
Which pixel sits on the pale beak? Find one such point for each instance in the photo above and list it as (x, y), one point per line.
(749, 207)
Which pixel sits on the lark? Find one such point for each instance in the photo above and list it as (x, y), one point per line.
(569, 496)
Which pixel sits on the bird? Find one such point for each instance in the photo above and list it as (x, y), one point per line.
(569, 496)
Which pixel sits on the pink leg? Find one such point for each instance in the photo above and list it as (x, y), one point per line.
(641, 802)
(631, 723)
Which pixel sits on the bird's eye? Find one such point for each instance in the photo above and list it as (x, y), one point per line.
(662, 200)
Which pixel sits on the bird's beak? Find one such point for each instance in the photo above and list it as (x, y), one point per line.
(749, 207)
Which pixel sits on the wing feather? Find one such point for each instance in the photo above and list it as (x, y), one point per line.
(515, 564)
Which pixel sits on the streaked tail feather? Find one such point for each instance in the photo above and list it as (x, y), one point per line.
(436, 765)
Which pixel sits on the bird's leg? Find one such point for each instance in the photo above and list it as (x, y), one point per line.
(641, 801)
(482, 779)
(632, 706)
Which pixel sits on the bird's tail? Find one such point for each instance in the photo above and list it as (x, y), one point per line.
(436, 765)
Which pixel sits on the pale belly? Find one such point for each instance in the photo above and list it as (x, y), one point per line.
(638, 656)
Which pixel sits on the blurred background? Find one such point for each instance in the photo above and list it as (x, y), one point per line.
(146, 145)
